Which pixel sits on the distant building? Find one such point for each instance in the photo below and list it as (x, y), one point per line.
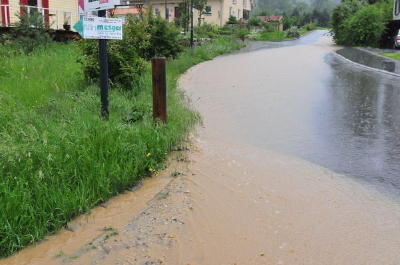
(57, 14)
(217, 11)
(276, 20)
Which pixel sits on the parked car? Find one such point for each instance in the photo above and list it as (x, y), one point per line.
(396, 41)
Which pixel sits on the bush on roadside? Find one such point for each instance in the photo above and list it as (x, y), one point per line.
(293, 32)
(365, 28)
(232, 20)
(255, 22)
(164, 37)
(144, 38)
(207, 31)
(310, 26)
(270, 27)
(28, 34)
(124, 56)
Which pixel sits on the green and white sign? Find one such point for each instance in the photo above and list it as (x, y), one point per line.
(100, 28)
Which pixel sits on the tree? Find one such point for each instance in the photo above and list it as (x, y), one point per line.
(200, 5)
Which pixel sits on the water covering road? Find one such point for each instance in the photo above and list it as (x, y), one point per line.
(245, 193)
(310, 103)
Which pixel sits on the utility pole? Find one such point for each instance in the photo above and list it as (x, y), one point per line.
(103, 57)
(191, 23)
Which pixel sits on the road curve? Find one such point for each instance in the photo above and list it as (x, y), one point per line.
(233, 200)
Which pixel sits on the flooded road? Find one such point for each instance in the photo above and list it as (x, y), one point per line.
(259, 183)
(306, 101)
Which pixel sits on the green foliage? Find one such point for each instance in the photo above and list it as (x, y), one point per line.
(58, 158)
(144, 38)
(271, 27)
(164, 38)
(28, 33)
(357, 23)
(232, 20)
(255, 21)
(310, 26)
(242, 34)
(340, 14)
(272, 36)
(293, 32)
(200, 5)
(124, 56)
(207, 31)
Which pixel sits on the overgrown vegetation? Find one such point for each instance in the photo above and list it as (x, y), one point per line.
(145, 37)
(28, 33)
(361, 23)
(58, 158)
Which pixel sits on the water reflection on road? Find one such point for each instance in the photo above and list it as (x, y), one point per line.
(300, 98)
(358, 124)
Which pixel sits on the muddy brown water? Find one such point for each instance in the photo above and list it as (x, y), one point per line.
(243, 194)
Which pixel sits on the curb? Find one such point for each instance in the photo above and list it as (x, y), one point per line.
(371, 60)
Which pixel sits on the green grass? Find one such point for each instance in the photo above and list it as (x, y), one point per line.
(58, 158)
(272, 36)
(395, 56)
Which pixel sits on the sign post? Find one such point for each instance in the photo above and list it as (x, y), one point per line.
(103, 29)
(103, 56)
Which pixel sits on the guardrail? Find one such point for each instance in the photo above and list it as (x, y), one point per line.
(53, 18)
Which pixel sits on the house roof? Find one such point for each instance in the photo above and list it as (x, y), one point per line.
(271, 18)
(126, 11)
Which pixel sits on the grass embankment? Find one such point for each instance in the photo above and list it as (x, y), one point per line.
(58, 158)
(395, 56)
(278, 35)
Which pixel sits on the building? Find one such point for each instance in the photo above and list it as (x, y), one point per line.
(275, 20)
(58, 14)
(63, 14)
(217, 12)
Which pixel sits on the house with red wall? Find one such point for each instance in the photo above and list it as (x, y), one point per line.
(56, 13)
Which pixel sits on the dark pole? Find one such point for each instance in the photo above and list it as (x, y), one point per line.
(159, 89)
(191, 23)
(103, 73)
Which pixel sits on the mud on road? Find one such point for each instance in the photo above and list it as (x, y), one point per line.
(228, 201)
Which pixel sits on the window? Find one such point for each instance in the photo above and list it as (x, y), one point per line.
(244, 3)
(234, 2)
(167, 13)
(208, 10)
(238, 16)
(397, 8)
(230, 11)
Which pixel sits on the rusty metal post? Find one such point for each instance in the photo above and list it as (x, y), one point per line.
(159, 89)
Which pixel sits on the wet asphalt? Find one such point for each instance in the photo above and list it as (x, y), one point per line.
(344, 117)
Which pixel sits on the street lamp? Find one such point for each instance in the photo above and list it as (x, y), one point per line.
(191, 23)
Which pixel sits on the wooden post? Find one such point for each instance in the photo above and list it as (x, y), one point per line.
(159, 89)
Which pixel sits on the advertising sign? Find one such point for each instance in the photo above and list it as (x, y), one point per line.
(100, 28)
(96, 5)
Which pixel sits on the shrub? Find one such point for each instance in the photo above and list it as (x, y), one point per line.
(207, 31)
(241, 34)
(28, 33)
(293, 32)
(255, 21)
(144, 38)
(310, 26)
(270, 27)
(342, 12)
(164, 37)
(124, 56)
(232, 20)
(365, 28)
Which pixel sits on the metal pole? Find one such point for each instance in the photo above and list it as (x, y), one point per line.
(159, 89)
(103, 57)
(191, 23)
